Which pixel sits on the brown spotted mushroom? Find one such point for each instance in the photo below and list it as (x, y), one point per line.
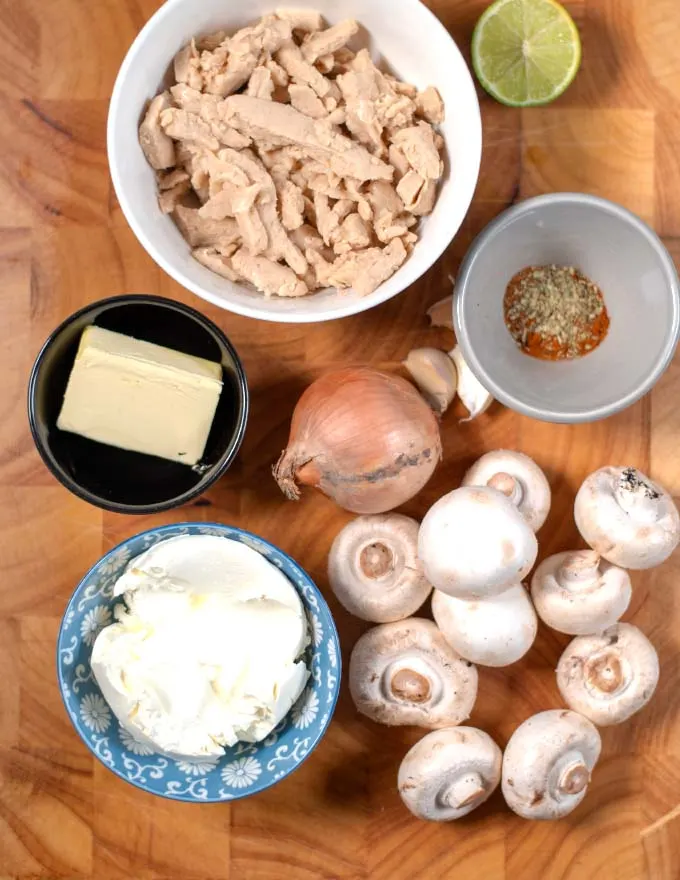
(627, 518)
(609, 677)
(548, 762)
(406, 673)
(449, 773)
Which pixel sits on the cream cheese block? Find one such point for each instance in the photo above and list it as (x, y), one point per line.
(208, 649)
(140, 396)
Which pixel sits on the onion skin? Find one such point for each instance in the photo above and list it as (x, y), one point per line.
(365, 438)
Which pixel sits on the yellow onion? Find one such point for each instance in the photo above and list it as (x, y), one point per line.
(365, 438)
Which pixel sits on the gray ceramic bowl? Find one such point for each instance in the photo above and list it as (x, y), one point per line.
(618, 252)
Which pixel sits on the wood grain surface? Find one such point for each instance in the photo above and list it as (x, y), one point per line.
(64, 243)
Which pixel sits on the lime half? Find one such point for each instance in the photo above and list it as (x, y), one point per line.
(526, 52)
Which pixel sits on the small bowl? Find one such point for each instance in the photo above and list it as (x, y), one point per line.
(115, 479)
(617, 251)
(246, 768)
(416, 46)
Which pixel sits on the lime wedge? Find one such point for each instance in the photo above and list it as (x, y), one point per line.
(526, 52)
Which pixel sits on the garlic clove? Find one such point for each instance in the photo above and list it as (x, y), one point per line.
(474, 395)
(441, 313)
(434, 373)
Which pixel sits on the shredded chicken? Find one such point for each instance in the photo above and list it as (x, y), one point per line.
(156, 144)
(430, 106)
(330, 40)
(290, 162)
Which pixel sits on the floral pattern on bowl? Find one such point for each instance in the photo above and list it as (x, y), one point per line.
(246, 768)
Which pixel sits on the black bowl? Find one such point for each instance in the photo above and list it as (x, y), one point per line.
(115, 479)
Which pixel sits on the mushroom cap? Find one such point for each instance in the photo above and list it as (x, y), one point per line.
(491, 632)
(449, 773)
(580, 605)
(547, 764)
(532, 488)
(474, 543)
(406, 673)
(627, 518)
(373, 568)
(608, 677)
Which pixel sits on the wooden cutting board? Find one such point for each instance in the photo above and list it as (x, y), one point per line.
(64, 243)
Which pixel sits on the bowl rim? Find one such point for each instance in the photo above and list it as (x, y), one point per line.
(461, 289)
(299, 570)
(473, 136)
(228, 455)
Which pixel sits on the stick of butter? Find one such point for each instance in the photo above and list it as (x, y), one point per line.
(140, 396)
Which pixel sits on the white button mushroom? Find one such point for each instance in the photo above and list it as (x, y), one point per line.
(628, 519)
(406, 673)
(609, 677)
(374, 570)
(491, 632)
(579, 593)
(449, 773)
(517, 476)
(548, 762)
(474, 543)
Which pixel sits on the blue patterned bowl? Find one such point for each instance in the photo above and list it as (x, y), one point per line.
(246, 768)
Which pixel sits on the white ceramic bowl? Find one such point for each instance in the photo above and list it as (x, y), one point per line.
(622, 255)
(417, 48)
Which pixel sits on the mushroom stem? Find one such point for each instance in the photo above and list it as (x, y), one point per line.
(509, 486)
(579, 570)
(410, 686)
(604, 672)
(636, 497)
(574, 778)
(376, 560)
(464, 791)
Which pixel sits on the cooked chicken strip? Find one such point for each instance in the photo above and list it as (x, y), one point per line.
(398, 161)
(305, 99)
(408, 188)
(384, 198)
(168, 199)
(364, 271)
(253, 231)
(200, 232)
(261, 84)
(417, 144)
(430, 106)
(269, 277)
(183, 126)
(353, 234)
(254, 118)
(280, 77)
(326, 64)
(280, 246)
(330, 40)
(155, 143)
(292, 205)
(187, 67)
(301, 19)
(230, 201)
(306, 237)
(290, 58)
(170, 179)
(213, 260)
(244, 51)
